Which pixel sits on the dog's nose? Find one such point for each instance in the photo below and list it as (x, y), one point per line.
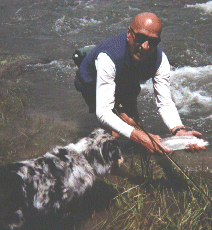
(120, 161)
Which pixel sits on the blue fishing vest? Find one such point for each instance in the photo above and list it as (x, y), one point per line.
(127, 76)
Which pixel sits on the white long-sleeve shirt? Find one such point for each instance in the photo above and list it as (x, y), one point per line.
(105, 96)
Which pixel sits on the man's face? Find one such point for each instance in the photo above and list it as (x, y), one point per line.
(142, 41)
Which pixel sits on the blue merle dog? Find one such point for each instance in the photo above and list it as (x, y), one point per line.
(49, 184)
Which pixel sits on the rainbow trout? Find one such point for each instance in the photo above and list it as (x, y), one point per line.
(182, 142)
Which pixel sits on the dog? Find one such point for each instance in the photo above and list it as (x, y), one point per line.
(50, 184)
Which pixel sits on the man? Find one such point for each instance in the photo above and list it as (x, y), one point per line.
(116, 67)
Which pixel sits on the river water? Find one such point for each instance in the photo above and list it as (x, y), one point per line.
(46, 33)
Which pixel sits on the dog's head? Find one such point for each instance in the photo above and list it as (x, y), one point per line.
(103, 151)
(112, 152)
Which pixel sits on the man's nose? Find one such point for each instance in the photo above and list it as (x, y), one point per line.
(145, 45)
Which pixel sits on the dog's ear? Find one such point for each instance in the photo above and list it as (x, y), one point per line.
(111, 150)
(94, 155)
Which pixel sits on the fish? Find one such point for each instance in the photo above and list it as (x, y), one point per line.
(182, 142)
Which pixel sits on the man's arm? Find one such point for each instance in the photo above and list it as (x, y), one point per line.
(105, 97)
(164, 102)
(166, 106)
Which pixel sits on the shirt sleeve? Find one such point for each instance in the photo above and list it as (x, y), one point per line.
(105, 96)
(164, 102)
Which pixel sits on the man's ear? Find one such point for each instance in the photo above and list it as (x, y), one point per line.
(128, 33)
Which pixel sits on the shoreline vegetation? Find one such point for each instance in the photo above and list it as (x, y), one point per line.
(158, 202)
(139, 195)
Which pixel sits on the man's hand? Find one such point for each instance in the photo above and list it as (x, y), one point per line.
(192, 147)
(142, 138)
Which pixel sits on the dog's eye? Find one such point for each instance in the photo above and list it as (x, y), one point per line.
(116, 154)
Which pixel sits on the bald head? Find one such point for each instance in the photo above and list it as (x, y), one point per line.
(147, 23)
(143, 36)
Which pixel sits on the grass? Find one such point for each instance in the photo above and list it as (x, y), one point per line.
(158, 204)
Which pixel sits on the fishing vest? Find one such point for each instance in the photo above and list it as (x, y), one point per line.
(127, 77)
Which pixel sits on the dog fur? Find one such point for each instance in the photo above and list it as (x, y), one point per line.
(49, 184)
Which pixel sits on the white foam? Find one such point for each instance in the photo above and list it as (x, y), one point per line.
(191, 88)
(59, 24)
(207, 7)
(193, 72)
(88, 22)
